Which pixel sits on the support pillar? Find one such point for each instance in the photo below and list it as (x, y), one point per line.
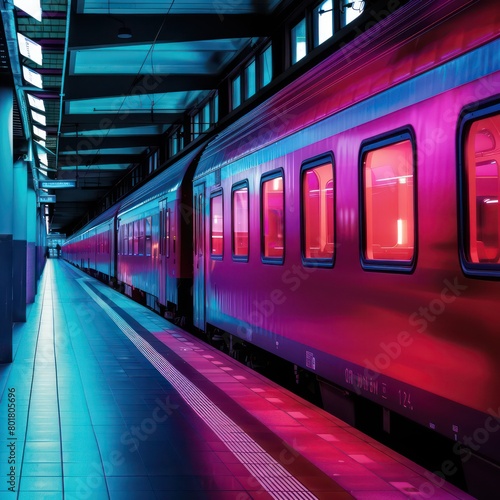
(31, 279)
(19, 241)
(6, 223)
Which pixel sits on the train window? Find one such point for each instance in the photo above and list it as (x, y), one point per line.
(299, 41)
(240, 221)
(164, 236)
(480, 181)
(125, 239)
(167, 232)
(216, 225)
(131, 238)
(136, 238)
(273, 218)
(318, 211)
(148, 236)
(388, 199)
(161, 235)
(142, 245)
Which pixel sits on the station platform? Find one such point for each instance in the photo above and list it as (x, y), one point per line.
(107, 400)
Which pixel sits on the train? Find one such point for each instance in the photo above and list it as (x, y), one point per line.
(349, 225)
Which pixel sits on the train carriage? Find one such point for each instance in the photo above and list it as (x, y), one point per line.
(93, 248)
(143, 243)
(154, 240)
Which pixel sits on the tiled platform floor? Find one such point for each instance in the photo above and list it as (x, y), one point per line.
(111, 401)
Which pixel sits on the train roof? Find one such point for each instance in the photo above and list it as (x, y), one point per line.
(166, 182)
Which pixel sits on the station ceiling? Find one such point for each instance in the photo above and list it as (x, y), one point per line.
(117, 74)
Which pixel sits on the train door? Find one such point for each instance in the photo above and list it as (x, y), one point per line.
(163, 251)
(113, 247)
(199, 256)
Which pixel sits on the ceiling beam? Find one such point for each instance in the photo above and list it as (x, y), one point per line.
(95, 86)
(71, 143)
(95, 30)
(105, 121)
(87, 160)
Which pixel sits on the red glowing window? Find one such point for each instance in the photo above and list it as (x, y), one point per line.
(317, 205)
(482, 181)
(273, 218)
(240, 221)
(216, 225)
(389, 200)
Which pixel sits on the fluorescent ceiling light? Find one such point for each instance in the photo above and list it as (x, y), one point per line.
(43, 158)
(39, 132)
(38, 117)
(124, 32)
(35, 102)
(42, 143)
(32, 77)
(31, 7)
(30, 49)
